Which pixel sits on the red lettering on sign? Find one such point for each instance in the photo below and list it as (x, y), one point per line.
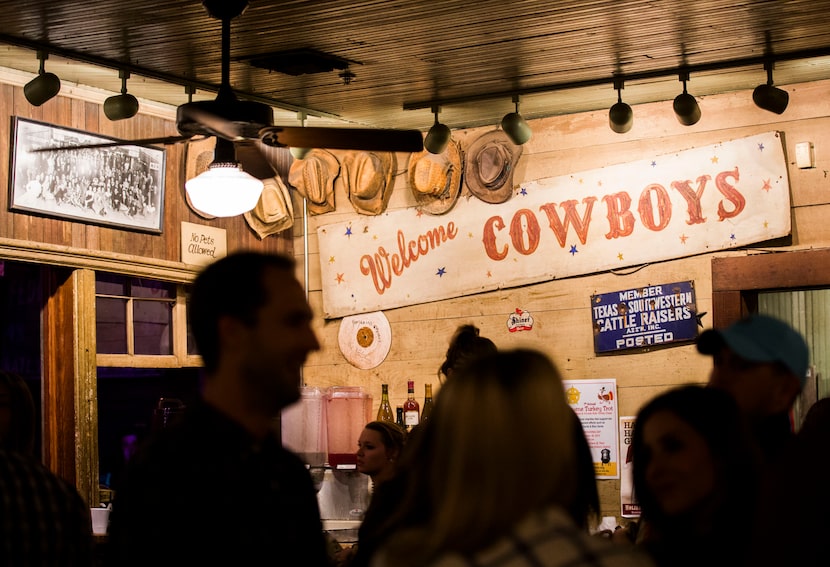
(732, 194)
(381, 266)
(580, 225)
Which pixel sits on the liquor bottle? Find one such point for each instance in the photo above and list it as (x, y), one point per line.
(385, 409)
(427, 410)
(411, 407)
(400, 421)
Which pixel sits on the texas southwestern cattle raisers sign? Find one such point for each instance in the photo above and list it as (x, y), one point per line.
(667, 206)
(650, 316)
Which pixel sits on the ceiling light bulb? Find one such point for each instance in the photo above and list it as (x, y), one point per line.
(769, 97)
(125, 105)
(620, 116)
(438, 136)
(224, 190)
(516, 127)
(685, 106)
(43, 87)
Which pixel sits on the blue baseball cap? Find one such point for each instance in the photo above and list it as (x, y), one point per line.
(761, 338)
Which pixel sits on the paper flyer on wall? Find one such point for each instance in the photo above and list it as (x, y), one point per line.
(595, 402)
(629, 508)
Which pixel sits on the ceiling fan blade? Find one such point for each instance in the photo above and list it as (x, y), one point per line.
(208, 117)
(252, 160)
(370, 139)
(113, 144)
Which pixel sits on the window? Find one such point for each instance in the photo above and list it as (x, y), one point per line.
(142, 322)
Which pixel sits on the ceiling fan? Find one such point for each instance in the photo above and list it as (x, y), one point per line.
(239, 125)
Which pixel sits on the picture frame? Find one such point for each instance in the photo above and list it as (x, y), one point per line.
(120, 185)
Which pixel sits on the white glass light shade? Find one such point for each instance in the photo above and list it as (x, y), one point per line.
(224, 190)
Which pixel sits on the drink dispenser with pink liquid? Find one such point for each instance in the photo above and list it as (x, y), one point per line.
(303, 427)
(348, 410)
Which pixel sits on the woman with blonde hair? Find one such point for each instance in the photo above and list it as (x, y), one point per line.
(500, 474)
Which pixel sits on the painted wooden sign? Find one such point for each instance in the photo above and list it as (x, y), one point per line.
(667, 206)
(654, 315)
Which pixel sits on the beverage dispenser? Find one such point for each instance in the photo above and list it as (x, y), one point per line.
(348, 409)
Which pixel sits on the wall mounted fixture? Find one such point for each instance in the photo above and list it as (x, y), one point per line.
(769, 97)
(620, 117)
(125, 105)
(516, 127)
(224, 190)
(438, 136)
(685, 106)
(43, 87)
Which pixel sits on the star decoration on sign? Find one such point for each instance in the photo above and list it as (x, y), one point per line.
(348, 231)
(732, 236)
(620, 256)
(441, 271)
(523, 192)
(766, 224)
(489, 274)
(761, 147)
(714, 159)
(653, 163)
(331, 259)
(419, 213)
(683, 238)
(573, 249)
(699, 317)
(767, 186)
(340, 278)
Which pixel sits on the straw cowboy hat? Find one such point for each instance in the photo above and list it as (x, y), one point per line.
(370, 177)
(313, 177)
(274, 211)
(491, 160)
(435, 180)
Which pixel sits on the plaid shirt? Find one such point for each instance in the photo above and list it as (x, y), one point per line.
(43, 519)
(549, 539)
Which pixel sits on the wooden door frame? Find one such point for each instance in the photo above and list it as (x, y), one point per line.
(737, 280)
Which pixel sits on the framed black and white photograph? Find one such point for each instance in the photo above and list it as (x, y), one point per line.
(121, 186)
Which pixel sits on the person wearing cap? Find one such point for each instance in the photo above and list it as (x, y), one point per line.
(762, 362)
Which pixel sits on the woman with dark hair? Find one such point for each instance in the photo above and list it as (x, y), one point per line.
(465, 344)
(695, 474)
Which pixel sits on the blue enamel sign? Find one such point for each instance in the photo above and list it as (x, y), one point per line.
(644, 317)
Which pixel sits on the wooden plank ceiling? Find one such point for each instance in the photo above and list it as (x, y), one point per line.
(467, 56)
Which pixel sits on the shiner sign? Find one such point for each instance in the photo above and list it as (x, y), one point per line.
(645, 317)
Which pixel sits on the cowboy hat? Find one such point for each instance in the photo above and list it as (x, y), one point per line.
(198, 156)
(435, 179)
(489, 168)
(313, 177)
(370, 178)
(273, 212)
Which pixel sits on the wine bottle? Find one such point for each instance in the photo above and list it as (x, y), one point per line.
(399, 421)
(427, 410)
(385, 409)
(411, 407)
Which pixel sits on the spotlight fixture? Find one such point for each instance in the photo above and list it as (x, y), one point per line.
(125, 105)
(767, 96)
(685, 105)
(224, 190)
(44, 86)
(620, 117)
(515, 126)
(299, 153)
(438, 136)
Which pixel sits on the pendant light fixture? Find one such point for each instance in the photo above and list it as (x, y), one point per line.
(438, 136)
(43, 87)
(769, 97)
(125, 105)
(620, 117)
(224, 190)
(516, 127)
(685, 106)
(299, 153)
